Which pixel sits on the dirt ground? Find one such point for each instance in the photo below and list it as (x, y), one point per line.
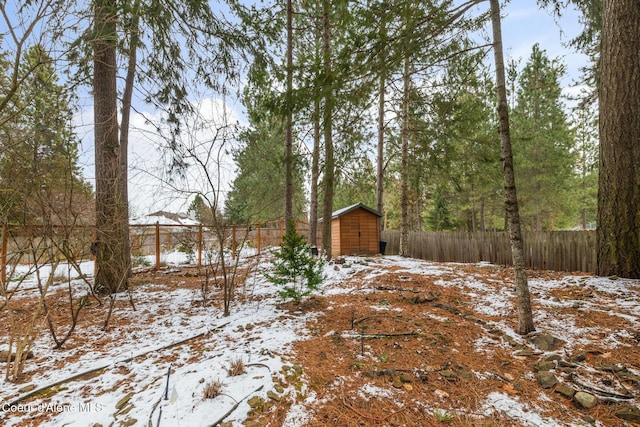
(404, 350)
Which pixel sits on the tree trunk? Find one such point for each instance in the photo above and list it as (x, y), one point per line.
(126, 119)
(288, 157)
(474, 226)
(328, 132)
(112, 255)
(381, 101)
(404, 172)
(315, 174)
(618, 231)
(315, 155)
(525, 315)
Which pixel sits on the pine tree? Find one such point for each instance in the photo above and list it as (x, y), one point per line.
(355, 183)
(258, 190)
(295, 268)
(438, 217)
(586, 191)
(38, 151)
(543, 144)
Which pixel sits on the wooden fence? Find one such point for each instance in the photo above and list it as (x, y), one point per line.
(570, 251)
(559, 250)
(21, 243)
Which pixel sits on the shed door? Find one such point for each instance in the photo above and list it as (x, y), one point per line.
(356, 234)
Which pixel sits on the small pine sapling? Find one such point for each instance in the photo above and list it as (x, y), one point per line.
(296, 269)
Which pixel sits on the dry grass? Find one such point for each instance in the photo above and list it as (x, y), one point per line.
(236, 367)
(212, 389)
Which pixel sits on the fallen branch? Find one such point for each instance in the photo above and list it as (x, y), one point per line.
(448, 307)
(397, 288)
(362, 319)
(152, 411)
(373, 336)
(234, 407)
(599, 391)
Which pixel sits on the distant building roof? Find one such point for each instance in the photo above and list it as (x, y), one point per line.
(164, 218)
(344, 211)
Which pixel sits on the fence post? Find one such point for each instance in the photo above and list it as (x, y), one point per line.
(259, 243)
(157, 245)
(200, 245)
(233, 242)
(3, 255)
(281, 230)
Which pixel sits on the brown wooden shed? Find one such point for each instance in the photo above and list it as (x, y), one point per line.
(355, 230)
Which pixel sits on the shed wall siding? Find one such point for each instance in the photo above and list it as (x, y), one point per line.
(336, 249)
(359, 233)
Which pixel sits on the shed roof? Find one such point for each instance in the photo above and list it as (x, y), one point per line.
(344, 211)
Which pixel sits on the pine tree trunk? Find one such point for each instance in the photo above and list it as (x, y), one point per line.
(329, 164)
(112, 255)
(618, 232)
(404, 172)
(315, 155)
(380, 156)
(315, 174)
(126, 119)
(525, 315)
(288, 157)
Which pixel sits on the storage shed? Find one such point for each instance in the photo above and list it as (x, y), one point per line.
(355, 230)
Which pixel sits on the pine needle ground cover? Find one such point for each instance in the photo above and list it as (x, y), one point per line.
(384, 341)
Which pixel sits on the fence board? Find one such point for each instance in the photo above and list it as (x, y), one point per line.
(555, 250)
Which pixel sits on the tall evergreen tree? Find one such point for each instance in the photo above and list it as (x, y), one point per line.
(543, 144)
(586, 141)
(258, 190)
(610, 37)
(355, 183)
(39, 168)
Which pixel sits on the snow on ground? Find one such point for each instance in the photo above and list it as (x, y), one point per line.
(517, 411)
(136, 361)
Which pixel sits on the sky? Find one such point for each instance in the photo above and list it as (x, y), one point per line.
(523, 25)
